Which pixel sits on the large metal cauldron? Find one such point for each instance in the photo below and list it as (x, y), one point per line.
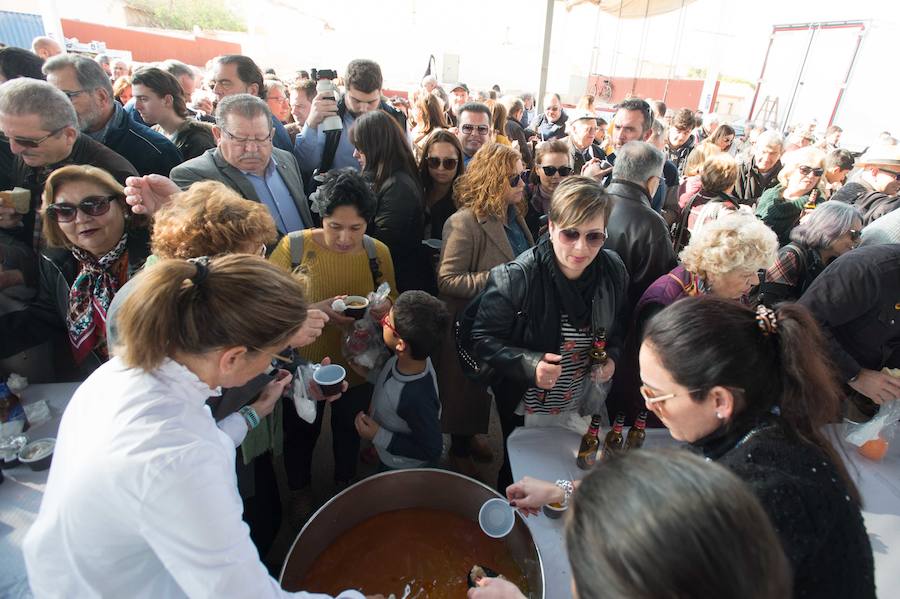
(401, 489)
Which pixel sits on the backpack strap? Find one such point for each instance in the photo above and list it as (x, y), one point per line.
(296, 240)
(372, 253)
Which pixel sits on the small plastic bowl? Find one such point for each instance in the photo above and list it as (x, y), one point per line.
(38, 454)
(496, 518)
(555, 510)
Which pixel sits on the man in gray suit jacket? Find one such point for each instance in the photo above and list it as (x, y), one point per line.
(246, 162)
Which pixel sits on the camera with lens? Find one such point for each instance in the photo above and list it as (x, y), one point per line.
(324, 79)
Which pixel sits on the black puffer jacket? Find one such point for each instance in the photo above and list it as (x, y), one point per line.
(820, 526)
(504, 300)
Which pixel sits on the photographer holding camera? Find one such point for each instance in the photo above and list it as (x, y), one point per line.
(320, 146)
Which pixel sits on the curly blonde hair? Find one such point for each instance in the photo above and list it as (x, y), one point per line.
(482, 187)
(732, 242)
(210, 219)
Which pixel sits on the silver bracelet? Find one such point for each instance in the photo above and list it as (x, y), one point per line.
(568, 488)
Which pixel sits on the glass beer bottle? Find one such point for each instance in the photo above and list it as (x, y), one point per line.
(590, 443)
(637, 434)
(614, 439)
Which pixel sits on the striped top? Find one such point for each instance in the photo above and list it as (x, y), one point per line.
(574, 347)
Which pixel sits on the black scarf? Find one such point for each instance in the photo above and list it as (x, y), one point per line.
(575, 296)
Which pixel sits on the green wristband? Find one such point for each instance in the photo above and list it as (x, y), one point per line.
(250, 416)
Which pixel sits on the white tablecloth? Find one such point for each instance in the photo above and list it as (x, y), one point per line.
(21, 493)
(549, 453)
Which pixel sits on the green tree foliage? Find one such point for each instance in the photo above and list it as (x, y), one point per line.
(185, 14)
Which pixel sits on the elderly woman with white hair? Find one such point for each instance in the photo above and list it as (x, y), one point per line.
(722, 260)
(831, 230)
(781, 206)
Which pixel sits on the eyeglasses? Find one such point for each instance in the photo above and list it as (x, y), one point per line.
(564, 171)
(246, 140)
(469, 129)
(514, 179)
(65, 212)
(263, 250)
(27, 142)
(855, 235)
(449, 164)
(594, 239)
(384, 323)
(553, 109)
(280, 358)
(805, 170)
(650, 396)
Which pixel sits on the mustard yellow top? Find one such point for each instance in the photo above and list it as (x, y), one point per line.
(333, 273)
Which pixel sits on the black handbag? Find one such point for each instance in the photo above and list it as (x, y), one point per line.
(474, 368)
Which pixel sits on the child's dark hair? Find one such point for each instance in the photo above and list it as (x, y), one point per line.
(421, 321)
(346, 187)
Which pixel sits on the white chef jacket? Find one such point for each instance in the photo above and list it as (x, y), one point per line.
(142, 498)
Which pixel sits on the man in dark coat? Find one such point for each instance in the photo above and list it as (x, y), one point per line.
(856, 299)
(550, 124)
(103, 119)
(760, 171)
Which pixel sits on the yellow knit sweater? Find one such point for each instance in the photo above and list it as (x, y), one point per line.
(332, 273)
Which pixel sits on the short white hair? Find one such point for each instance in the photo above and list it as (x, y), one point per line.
(711, 118)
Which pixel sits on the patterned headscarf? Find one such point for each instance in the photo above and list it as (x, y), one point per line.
(90, 296)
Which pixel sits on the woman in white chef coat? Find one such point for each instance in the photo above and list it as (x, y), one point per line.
(141, 499)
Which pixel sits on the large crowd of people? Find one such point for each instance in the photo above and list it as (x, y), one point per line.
(182, 239)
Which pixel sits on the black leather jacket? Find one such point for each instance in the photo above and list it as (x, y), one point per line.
(505, 296)
(638, 234)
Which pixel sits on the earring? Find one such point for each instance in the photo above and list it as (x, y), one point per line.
(719, 415)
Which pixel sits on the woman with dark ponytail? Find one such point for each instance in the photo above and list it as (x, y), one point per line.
(141, 475)
(753, 390)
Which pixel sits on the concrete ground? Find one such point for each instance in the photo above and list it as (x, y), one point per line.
(323, 484)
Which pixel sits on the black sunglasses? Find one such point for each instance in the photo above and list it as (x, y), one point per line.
(27, 142)
(805, 170)
(91, 205)
(514, 179)
(449, 164)
(594, 239)
(564, 171)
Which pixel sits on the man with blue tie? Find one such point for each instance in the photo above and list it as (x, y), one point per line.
(246, 161)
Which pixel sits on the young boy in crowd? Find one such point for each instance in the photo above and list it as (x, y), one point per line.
(405, 421)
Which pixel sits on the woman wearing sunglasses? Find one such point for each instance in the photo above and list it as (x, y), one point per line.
(95, 244)
(440, 165)
(539, 315)
(749, 390)
(781, 206)
(552, 164)
(489, 229)
(829, 231)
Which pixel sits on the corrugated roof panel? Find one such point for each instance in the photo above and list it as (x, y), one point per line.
(18, 29)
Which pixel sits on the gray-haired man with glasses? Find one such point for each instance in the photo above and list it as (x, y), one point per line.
(246, 161)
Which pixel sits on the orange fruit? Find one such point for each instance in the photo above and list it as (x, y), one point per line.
(874, 449)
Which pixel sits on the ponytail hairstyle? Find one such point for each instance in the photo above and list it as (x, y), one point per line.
(179, 306)
(628, 510)
(705, 342)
